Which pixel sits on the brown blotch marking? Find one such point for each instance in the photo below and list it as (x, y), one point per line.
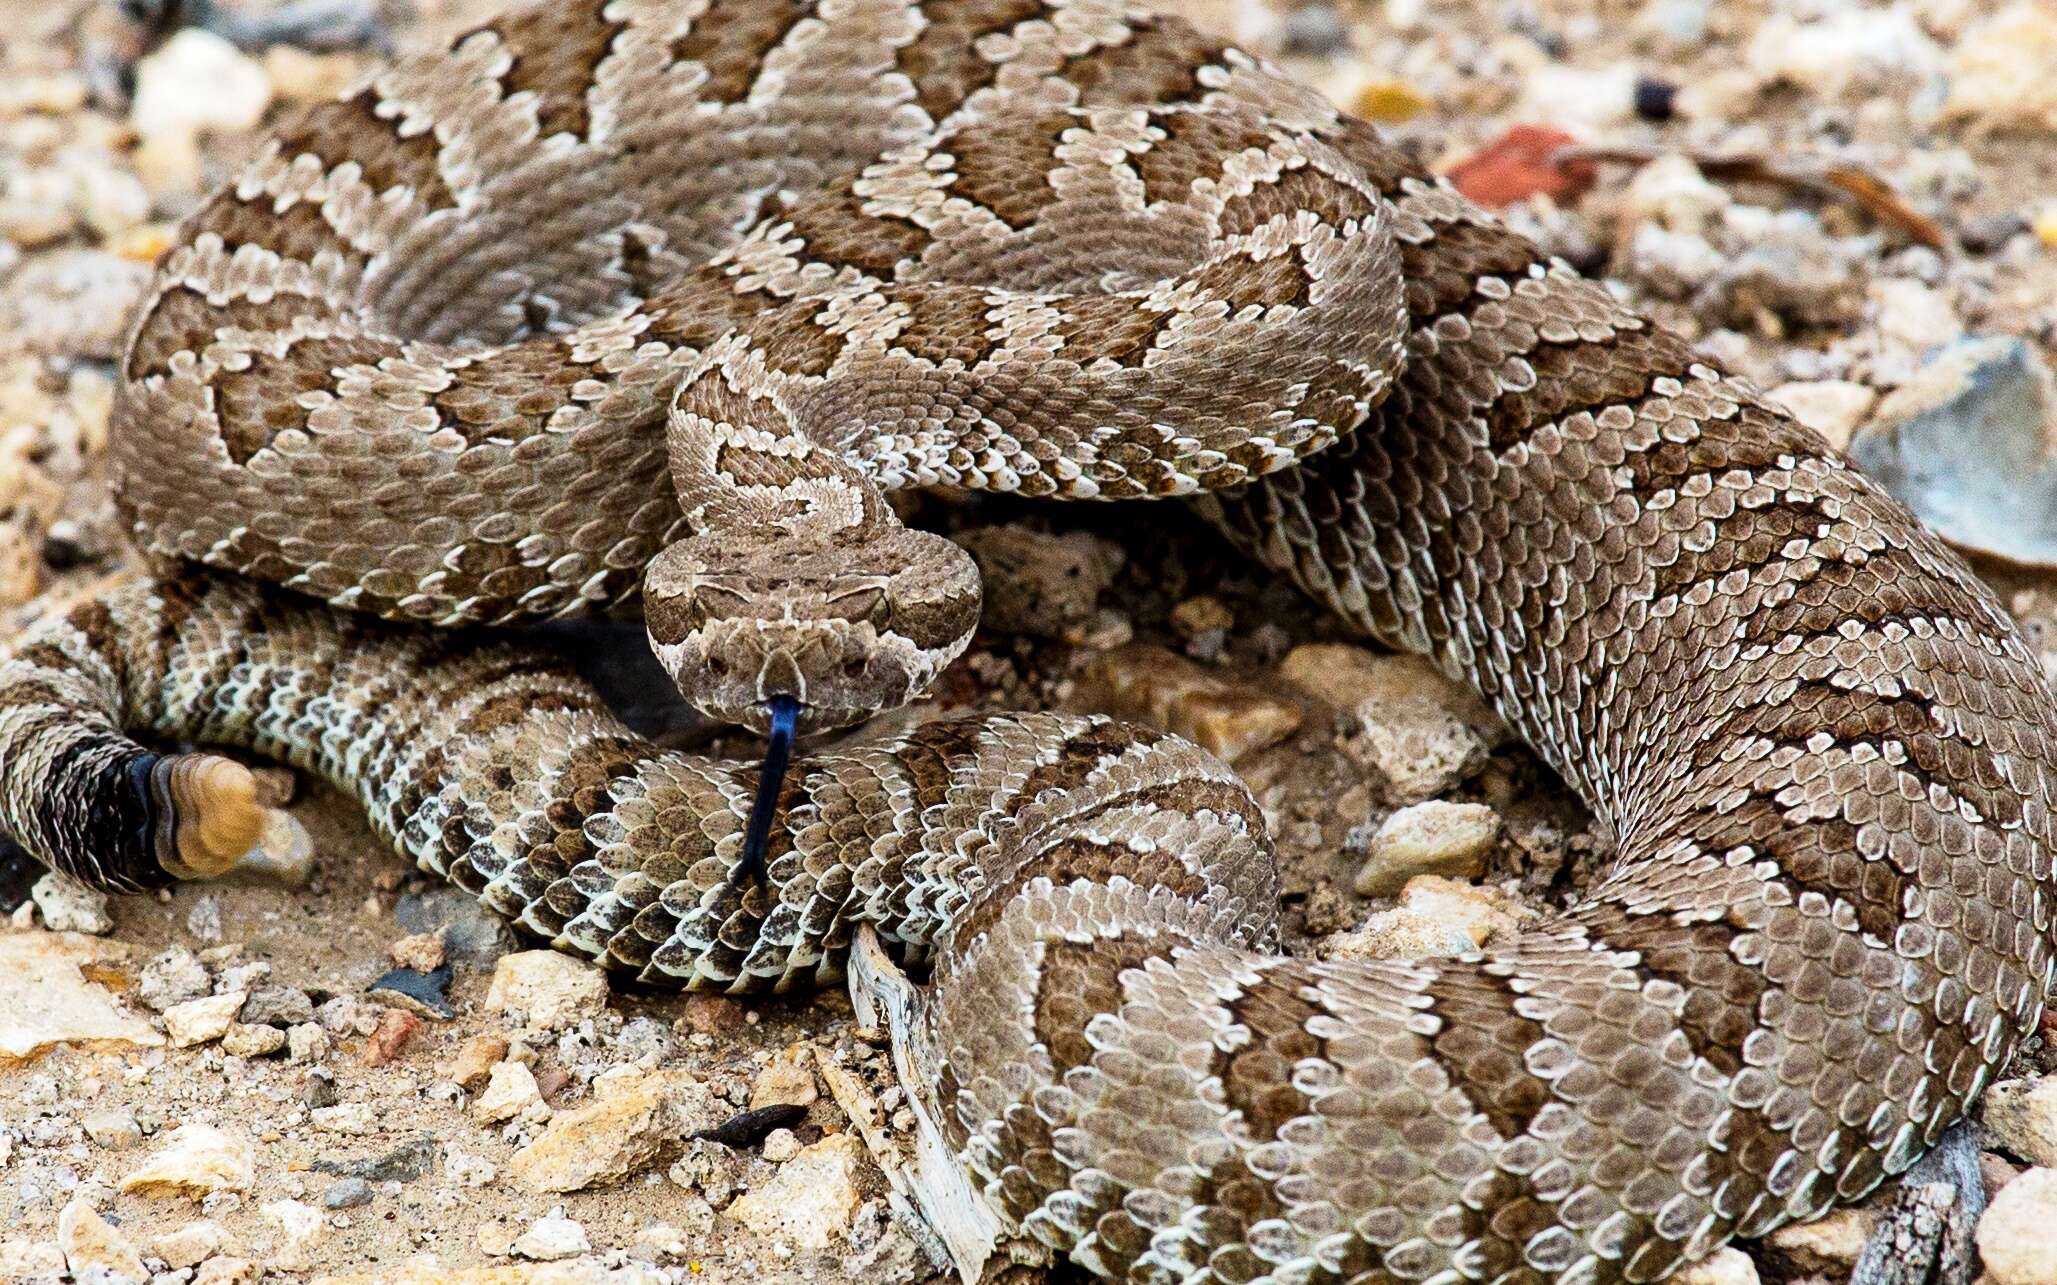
(1269, 283)
(1581, 376)
(511, 392)
(1753, 440)
(1443, 274)
(1115, 327)
(1811, 856)
(1721, 992)
(1081, 755)
(1301, 188)
(731, 39)
(300, 231)
(555, 50)
(183, 321)
(1480, 1047)
(1195, 146)
(1004, 165)
(1158, 63)
(351, 129)
(943, 62)
(837, 231)
(261, 401)
(1889, 586)
(699, 308)
(1078, 982)
(945, 322)
(1744, 540)
(792, 341)
(1385, 166)
(1079, 859)
(1257, 1078)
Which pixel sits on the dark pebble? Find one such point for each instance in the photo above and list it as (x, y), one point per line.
(748, 1128)
(1655, 99)
(417, 992)
(404, 1163)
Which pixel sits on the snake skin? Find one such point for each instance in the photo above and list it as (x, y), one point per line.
(419, 361)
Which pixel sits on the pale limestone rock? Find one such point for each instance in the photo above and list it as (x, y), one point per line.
(69, 906)
(605, 1141)
(24, 1258)
(811, 1200)
(473, 1064)
(1829, 1245)
(780, 1145)
(200, 1021)
(245, 1040)
(306, 1042)
(48, 1001)
(191, 1244)
(2017, 1237)
(788, 1080)
(90, 1241)
(511, 1092)
(116, 1128)
(551, 1238)
(2000, 71)
(423, 952)
(1831, 407)
(1348, 677)
(1151, 685)
(426, 1270)
(299, 1225)
(194, 1160)
(228, 1271)
(2021, 1115)
(550, 989)
(354, 1119)
(1435, 917)
(1725, 1266)
(1439, 838)
(198, 83)
(171, 978)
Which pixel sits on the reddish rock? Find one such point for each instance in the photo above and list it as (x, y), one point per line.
(1521, 163)
(394, 1030)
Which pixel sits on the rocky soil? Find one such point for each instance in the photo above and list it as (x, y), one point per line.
(336, 1069)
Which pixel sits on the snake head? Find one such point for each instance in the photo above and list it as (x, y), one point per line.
(847, 629)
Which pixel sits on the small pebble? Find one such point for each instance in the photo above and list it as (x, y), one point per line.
(243, 1039)
(552, 1237)
(386, 1043)
(422, 952)
(346, 1193)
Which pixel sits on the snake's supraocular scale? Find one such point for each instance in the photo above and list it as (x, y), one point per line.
(685, 286)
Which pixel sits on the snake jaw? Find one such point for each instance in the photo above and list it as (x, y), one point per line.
(771, 779)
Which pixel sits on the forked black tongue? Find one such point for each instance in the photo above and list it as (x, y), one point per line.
(771, 779)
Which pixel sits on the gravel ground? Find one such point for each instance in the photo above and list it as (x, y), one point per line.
(1851, 203)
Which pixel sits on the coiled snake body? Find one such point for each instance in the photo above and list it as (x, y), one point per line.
(434, 354)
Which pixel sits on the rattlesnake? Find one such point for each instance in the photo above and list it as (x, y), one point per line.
(414, 362)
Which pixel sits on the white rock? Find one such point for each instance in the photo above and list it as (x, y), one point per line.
(1830, 1244)
(551, 990)
(352, 1118)
(552, 1237)
(90, 1242)
(1672, 192)
(2017, 1237)
(1725, 1266)
(24, 1258)
(245, 1040)
(511, 1092)
(2021, 1115)
(306, 1042)
(198, 1021)
(300, 1225)
(1435, 837)
(788, 1080)
(110, 200)
(1831, 407)
(115, 1128)
(2000, 71)
(195, 1160)
(1849, 50)
(69, 906)
(780, 1145)
(468, 1170)
(171, 978)
(198, 83)
(1584, 100)
(1913, 316)
(624, 1131)
(48, 1001)
(813, 1197)
(1434, 918)
(191, 1244)
(1673, 264)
